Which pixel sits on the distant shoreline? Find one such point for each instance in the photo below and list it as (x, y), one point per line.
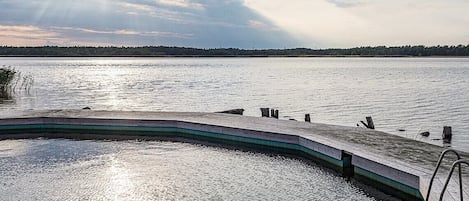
(164, 51)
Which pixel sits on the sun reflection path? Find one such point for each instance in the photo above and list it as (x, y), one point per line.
(120, 183)
(12, 148)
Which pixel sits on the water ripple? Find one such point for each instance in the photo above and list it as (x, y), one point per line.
(129, 170)
(416, 93)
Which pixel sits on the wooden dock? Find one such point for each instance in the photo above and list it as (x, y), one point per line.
(392, 163)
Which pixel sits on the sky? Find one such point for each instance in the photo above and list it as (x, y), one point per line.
(248, 24)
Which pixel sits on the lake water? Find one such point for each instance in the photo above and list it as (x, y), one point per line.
(415, 94)
(131, 170)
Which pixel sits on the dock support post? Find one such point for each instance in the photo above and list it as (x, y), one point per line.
(275, 115)
(447, 134)
(307, 118)
(265, 112)
(370, 123)
(272, 113)
(347, 169)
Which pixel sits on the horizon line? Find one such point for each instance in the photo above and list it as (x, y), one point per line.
(236, 48)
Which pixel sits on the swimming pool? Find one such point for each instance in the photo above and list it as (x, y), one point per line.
(59, 169)
(352, 152)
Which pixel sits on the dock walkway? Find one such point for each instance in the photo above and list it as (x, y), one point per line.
(374, 154)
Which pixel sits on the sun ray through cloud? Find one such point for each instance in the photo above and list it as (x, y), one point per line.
(243, 23)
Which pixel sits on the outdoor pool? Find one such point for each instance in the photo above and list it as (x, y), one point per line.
(59, 169)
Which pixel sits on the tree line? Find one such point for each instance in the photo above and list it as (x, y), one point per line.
(154, 51)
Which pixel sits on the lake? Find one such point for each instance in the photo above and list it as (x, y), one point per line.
(413, 94)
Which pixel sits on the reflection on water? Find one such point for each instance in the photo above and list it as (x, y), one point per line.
(9, 148)
(6, 97)
(412, 94)
(130, 170)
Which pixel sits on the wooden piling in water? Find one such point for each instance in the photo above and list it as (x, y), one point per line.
(447, 134)
(425, 133)
(307, 118)
(275, 115)
(233, 111)
(370, 123)
(265, 112)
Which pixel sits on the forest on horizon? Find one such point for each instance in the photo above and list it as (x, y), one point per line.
(166, 51)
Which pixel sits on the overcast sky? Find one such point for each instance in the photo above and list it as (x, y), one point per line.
(234, 23)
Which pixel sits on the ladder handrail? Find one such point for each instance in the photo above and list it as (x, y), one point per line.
(442, 155)
(458, 162)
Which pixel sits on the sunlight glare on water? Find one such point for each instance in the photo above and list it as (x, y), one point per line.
(413, 94)
(130, 170)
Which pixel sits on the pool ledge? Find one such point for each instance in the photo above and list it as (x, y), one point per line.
(375, 160)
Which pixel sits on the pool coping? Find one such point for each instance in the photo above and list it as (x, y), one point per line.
(388, 172)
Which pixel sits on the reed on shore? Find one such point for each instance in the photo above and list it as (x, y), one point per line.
(12, 81)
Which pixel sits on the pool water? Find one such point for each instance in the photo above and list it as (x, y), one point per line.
(59, 169)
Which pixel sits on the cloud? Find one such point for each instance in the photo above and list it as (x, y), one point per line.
(26, 35)
(181, 3)
(37, 36)
(125, 32)
(92, 31)
(17, 35)
(25, 31)
(338, 23)
(347, 3)
(154, 10)
(256, 24)
(195, 23)
(135, 6)
(237, 23)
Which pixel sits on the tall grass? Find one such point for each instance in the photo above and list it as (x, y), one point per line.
(12, 81)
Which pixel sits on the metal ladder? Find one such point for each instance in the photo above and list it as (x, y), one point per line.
(458, 163)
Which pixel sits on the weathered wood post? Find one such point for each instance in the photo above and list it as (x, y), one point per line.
(276, 114)
(447, 134)
(265, 112)
(307, 118)
(233, 111)
(425, 133)
(370, 123)
(272, 113)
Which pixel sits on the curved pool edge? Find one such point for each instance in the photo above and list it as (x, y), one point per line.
(393, 177)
